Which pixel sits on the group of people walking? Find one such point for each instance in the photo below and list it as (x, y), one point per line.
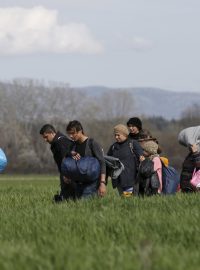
(135, 149)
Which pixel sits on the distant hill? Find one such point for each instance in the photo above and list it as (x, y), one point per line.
(154, 101)
(147, 101)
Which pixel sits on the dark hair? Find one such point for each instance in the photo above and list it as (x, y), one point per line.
(47, 129)
(136, 122)
(74, 125)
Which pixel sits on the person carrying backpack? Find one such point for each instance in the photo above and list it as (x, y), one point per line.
(128, 152)
(150, 171)
(86, 152)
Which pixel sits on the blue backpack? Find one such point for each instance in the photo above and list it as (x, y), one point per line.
(85, 170)
(170, 179)
(3, 160)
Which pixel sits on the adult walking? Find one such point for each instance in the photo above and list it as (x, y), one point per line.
(190, 138)
(60, 147)
(87, 147)
(128, 152)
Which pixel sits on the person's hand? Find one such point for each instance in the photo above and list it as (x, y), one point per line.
(194, 148)
(75, 155)
(102, 189)
(142, 158)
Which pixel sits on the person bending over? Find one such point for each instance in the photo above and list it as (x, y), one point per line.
(60, 147)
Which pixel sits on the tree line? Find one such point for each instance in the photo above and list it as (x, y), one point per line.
(28, 104)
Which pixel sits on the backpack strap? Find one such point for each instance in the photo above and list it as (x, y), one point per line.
(164, 161)
(90, 144)
(113, 147)
(130, 144)
(131, 148)
(60, 137)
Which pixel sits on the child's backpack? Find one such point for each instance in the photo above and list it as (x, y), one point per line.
(3, 160)
(170, 179)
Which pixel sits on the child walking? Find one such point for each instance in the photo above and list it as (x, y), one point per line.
(151, 152)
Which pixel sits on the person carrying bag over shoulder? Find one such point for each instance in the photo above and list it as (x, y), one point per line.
(86, 166)
(150, 170)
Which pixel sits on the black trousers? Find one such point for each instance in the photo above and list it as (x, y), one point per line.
(68, 191)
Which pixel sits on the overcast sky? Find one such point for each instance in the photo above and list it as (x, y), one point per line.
(115, 43)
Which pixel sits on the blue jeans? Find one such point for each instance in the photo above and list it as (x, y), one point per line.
(86, 190)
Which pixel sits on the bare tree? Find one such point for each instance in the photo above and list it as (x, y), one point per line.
(115, 104)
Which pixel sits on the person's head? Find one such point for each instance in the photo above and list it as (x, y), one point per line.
(121, 133)
(145, 135)
(48, 133)
(135, 125)
(74, 130)
(150, 148)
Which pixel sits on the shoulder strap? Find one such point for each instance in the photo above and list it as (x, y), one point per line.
(60, 137)
(130, 144)
(131, 148)
(113, 147)
(90, 144)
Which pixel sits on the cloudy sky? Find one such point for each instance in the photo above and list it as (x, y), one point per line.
(115, 43)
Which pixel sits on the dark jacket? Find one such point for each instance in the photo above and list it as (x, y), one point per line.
(191, 162)
(136, 136)
(61, 146)
(128, 152)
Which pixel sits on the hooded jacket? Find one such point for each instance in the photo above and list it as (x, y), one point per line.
(61, 146)
(188, 137)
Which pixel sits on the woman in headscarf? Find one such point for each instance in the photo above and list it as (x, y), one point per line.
(190, 138)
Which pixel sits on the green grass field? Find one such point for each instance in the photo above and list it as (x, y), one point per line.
(108, 233)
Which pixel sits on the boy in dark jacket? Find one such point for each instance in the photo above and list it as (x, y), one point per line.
(134, 125)
(61, 146)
